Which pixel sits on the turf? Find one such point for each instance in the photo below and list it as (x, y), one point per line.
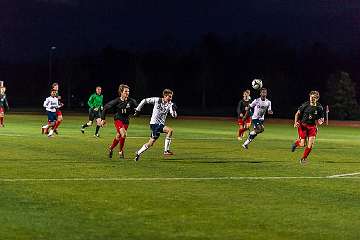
(67, 188)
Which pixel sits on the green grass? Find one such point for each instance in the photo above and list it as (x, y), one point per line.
(89, 208)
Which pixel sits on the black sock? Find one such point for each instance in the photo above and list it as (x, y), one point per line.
(97, 129)
(252, 136)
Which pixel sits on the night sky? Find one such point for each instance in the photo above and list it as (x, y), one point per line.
(29, 27)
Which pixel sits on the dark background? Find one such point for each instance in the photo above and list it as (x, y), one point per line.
(208, 52)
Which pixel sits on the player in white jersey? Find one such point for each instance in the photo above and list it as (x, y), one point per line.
(260, 107)
(51, 104)
(162, 106)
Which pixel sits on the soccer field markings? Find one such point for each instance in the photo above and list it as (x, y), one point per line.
(11, 135)
(344, 175)
(157, 179)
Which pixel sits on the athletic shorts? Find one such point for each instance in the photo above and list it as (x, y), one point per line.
(119, 124)
(242, 122)
(94, 114)
(2, 110)
(58, 113)
(156, 130)
(257, 122)
(52, 117)
(307, 130)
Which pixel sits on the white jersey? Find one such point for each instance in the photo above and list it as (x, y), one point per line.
(260, 108)
(51, 104)
(160, 110)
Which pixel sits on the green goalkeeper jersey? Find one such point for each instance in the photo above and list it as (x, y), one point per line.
(95, 101)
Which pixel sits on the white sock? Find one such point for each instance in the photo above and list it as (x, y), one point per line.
(167, 144)
(45, 126)
(142, 149)
(51, 132)
(247, 142)
(89, 123)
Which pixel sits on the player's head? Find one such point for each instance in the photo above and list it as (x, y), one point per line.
(53, 92)
(246, 94)
(167, 95)
(2, 90)
(314, 96)
(55, 86)
(263, 92)
(124, 91)
(98, 90)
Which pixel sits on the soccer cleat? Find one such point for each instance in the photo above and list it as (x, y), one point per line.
(82, 130)
(293, 147)
(303, 161)
(137, 157)
(51, 133)
(121, 154)
(44, 129)
(110, 153)
(97, 135)
(245, 146)
(56, 132)
(168, 153)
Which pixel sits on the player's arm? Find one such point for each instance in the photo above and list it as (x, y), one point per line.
(46, 103)
(91, 101)
(270, 111)
(108, 107)
(296, 119)
(143, 102)
(6, 104)
(320, 120)
(238, 109)
(173, 110)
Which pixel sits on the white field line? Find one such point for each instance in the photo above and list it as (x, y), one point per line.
(12, 135)
(344, 175)
(161, 179)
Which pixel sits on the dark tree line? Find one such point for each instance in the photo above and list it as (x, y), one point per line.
(207, 78)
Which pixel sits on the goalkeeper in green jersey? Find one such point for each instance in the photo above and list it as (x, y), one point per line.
(95, 103)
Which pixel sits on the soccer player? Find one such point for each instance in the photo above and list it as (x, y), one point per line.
(162, 106)
(51, 105)
(124, 107)
(261, 106)
(95, 103)
(244, 118)
(4, 106)
(308, 115)
(45, 128)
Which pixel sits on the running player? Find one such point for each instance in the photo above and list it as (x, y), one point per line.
(51, 104)
(95, 103)
(45, 128)
(124, 107)
(261, 106)
(244, 118)
(308, 115)
(162, 106)
(4, 106)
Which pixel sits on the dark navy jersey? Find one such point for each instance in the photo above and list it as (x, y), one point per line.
(122, 109)
(3, 102)
(309, 114)
(242, 107)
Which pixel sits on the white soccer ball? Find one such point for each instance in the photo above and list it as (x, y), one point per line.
(256, 84)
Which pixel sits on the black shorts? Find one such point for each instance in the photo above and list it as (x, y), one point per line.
(94, 114)
(156, 130)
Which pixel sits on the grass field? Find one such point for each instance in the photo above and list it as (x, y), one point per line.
(65, 187)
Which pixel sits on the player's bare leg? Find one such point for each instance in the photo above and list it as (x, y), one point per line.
(298, 143)
(169, 131)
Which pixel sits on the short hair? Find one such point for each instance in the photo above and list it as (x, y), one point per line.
(316, 93)
(263, 89)
(247, 91)
(167, 92)
(98, 87)
(122, 87)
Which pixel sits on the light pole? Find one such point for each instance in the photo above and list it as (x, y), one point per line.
(51, 50)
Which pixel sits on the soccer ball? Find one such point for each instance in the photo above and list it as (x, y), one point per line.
(256, 84)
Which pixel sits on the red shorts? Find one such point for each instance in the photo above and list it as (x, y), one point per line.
(1, 110)
(242, 122)
(119, 124)
(58, 113)
(307, 130)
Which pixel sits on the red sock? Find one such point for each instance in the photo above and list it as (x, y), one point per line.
(241, 131)
(307, 152)
(122, 142)
(113, 145)
(297, 143)
(1, 120)
(57, 124)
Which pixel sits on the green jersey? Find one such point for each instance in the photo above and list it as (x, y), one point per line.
(95, 101)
